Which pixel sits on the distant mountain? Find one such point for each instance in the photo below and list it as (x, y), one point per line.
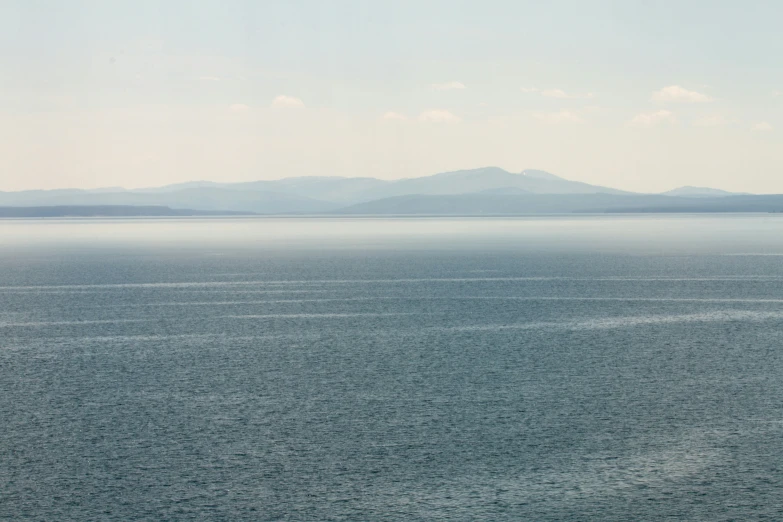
(175, 187)
(199, 198)
(699, 192)
(505, 191)
(500, 204)
(541, 174)
(337, 190)
(494, 204)
(769, 203)
(347, 191)
(535, 190)
(489, 178)
(105, 211)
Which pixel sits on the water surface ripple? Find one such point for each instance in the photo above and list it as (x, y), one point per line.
(450, 381)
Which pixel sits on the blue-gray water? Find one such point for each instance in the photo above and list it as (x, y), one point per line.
(581, 368)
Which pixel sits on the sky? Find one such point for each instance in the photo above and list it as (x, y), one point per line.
(638, 95)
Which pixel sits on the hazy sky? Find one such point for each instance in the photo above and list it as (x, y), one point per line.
(639, 95)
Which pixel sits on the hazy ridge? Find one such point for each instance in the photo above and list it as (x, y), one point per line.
(489, 190)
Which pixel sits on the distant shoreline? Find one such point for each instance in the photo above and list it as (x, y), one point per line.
(104, 211)
(129, 211)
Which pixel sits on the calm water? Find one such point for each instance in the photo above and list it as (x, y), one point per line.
(564, 368)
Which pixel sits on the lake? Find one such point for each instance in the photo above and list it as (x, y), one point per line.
(531, 368)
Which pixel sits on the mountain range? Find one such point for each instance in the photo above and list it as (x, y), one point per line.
(489, 190)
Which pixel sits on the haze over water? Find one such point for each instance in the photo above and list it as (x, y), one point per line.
(532, 368)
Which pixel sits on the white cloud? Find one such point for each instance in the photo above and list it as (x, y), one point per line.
(238, 107)
(675, 93)
(283, 101)
(439, 116)
(762, 126)
(648, 119)
(394, 116)
(210, 78)
(562, 116)
(561, 94)
(530, 89)
(448, 86)
(716, 120)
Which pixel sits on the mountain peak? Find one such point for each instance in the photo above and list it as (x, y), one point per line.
(540, 174)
